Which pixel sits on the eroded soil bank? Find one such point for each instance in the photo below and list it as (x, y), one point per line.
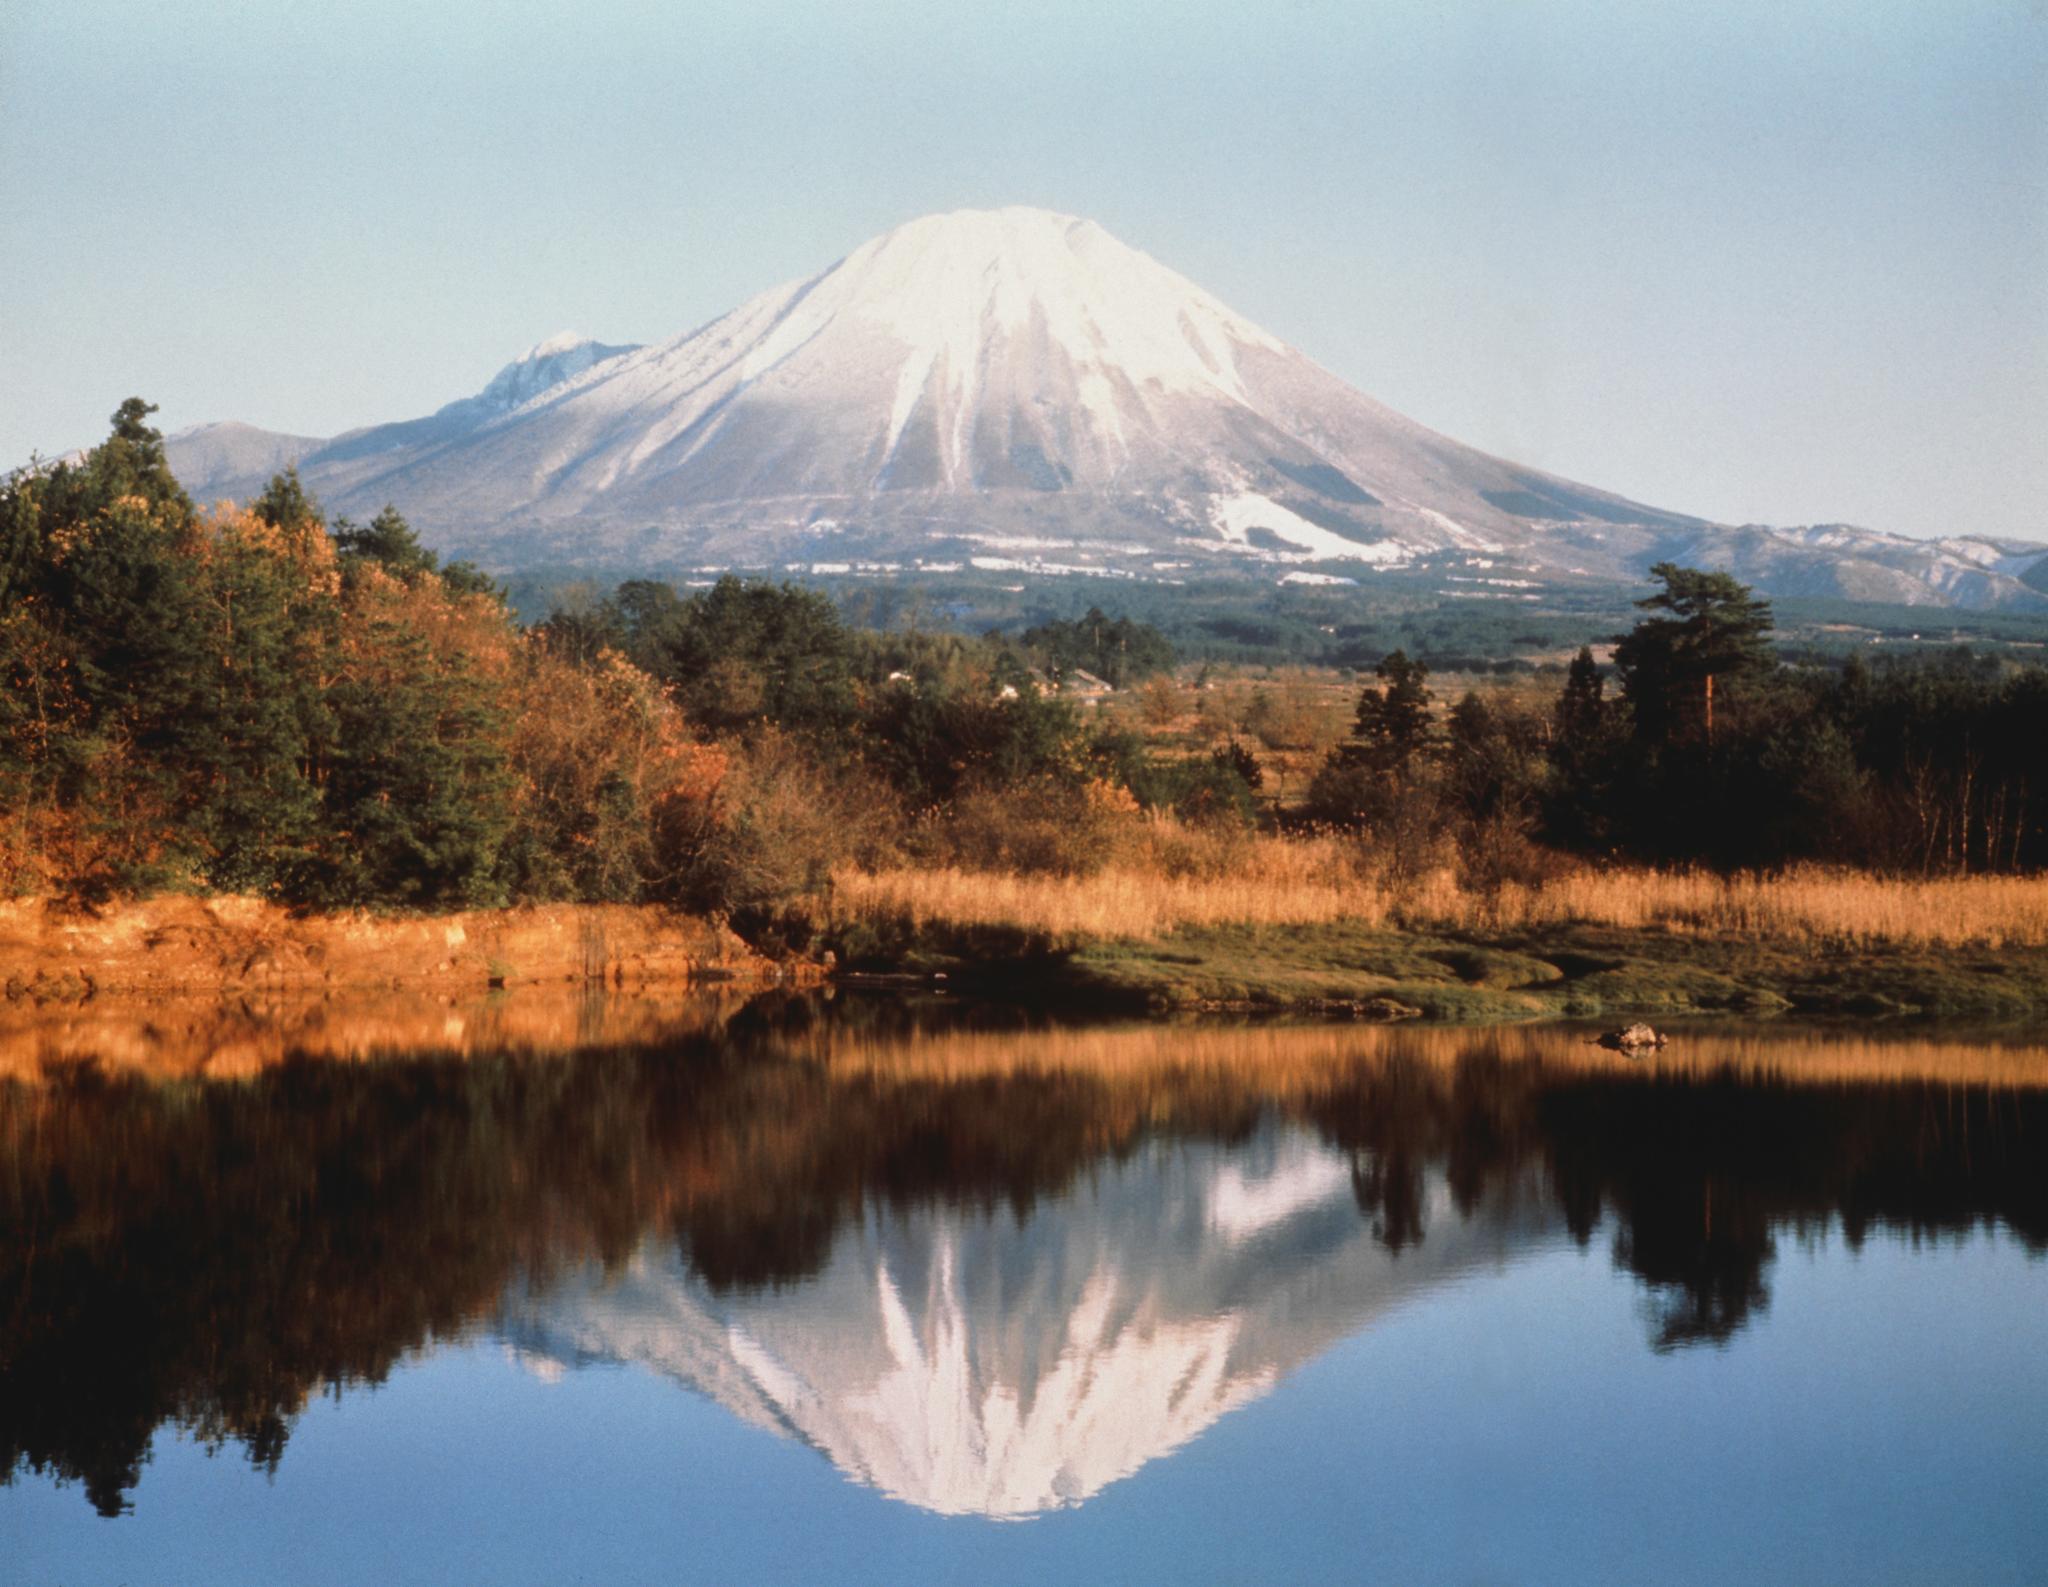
(162, 946)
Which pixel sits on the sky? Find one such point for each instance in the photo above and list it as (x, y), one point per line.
(1762, 262)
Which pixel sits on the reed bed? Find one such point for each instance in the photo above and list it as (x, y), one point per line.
(1278, 882)
(1273, 884)
(1809, 904)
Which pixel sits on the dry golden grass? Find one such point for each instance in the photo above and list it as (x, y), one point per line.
(1272, 881)
(1809, 904)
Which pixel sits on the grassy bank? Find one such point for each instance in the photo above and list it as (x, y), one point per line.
(1291, 926)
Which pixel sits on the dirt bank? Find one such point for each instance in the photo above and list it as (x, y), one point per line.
(243, 945)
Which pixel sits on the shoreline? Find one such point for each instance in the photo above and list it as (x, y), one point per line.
(230, 946)
(191, 948)
(887, 1037)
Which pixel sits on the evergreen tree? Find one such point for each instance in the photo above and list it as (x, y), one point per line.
(417, 794)
(285, 504)
(1116, 650)
(1234, 758)
(132, 462)
(1581, 712)
(389, 542)
(580, 636)
(646, 614)
(1394, 725)
(1368, 780)
(746, 653)
(1716, 634)
(386, 540)
(21, 536)
(1587, 734)
(105, 677)
(249, 743)
(1494, 756)
(933, 743)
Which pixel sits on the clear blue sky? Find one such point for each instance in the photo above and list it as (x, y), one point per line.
(1763, 261)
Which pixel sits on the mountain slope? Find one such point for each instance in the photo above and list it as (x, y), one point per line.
(230, 459)
(1020, 387)
(233, 460)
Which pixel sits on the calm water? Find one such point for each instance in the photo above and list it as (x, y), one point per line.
(608, 1292)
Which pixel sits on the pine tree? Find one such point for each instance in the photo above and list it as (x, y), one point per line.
(746, 653)
(1370, 780)
(1587, 741)
(1581, 713)
(249, 742)
(116, 607)
(1715, 636)
(417, 789)
(285, 504)
(386, 540)
(1393, 725)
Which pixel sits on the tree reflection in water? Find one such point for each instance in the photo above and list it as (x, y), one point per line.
(209, 1253)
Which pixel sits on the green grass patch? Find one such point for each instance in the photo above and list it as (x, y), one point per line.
(1581, 972)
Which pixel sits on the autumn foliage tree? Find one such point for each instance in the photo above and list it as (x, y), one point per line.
(240, 700)
(611, 794)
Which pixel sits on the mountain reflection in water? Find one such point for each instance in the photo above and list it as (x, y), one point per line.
(982, 1270)
(971, 1362)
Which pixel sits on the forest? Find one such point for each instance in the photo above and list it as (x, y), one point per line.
(254, 700)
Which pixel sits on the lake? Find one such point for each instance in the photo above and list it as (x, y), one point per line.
(552, 1289)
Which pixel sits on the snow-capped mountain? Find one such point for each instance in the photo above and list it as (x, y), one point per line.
(1021, 389)
(969, 1362)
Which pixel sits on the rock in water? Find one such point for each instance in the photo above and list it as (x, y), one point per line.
(1631, 1038)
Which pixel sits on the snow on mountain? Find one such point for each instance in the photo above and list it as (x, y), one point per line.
(1018, 373)
(1252, 520)
(236, 460)
(360, 462)
(544, 366)
(997, 371)
(971, 1363)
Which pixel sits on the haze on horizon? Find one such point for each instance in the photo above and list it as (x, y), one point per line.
(1735, 262)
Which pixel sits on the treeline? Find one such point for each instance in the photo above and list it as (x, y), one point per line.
(906, 745)
(254, 700)
(1708, 751)
(249, 700)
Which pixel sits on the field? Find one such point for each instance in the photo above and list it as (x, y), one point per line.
(1293, 927)
(1310, 882)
